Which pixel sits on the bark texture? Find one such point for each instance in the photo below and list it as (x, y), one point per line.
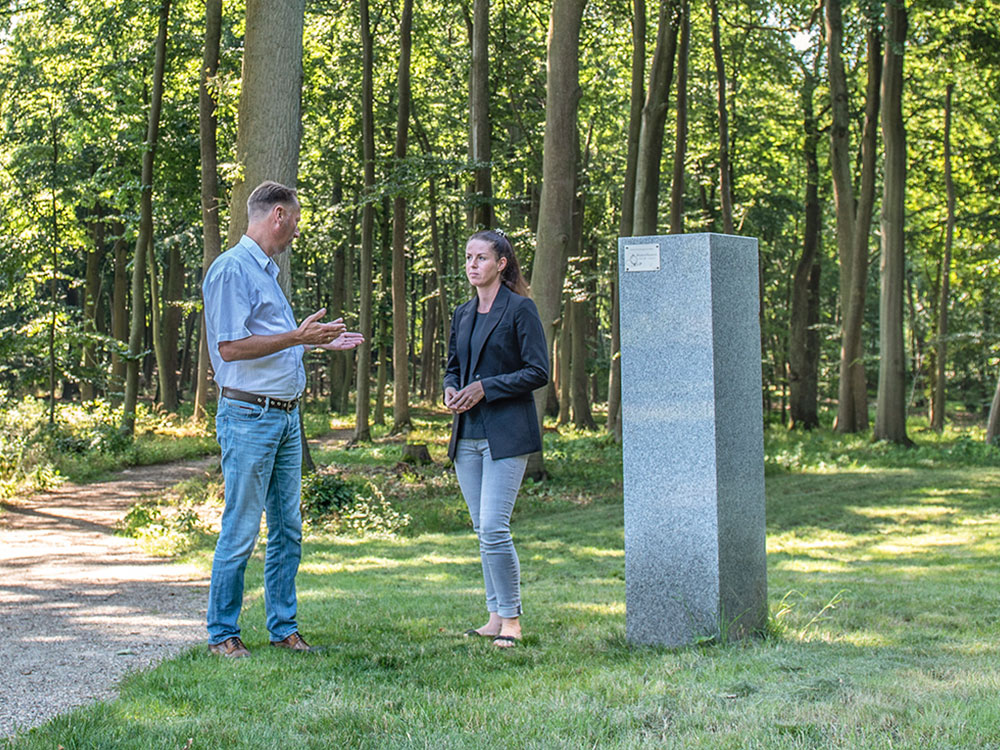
(890, 414)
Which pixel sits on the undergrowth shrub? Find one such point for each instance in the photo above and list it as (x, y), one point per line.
(349, 506)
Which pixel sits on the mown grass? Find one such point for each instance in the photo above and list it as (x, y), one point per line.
(883, 583)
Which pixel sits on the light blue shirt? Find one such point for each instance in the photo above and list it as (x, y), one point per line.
(243, 298)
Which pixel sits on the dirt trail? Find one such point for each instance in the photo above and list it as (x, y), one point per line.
(80, 607)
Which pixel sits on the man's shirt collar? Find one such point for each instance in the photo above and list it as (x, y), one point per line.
(267, 264)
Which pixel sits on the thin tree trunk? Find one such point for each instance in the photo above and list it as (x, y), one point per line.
(555, 223)
(54, 280)
(436, 256)
(137, 329)
(384, 295)
(119, 307)
(184, 381)
(336, 365)
(614, 424)
(92, 291)
(579, 391)
(480, 150)
(890, 414)
(348, 286)
(803, 343)
(853, 219)
(680, 139)
(156, 333)
(400, 340)
(212, 241)
(941, 348)
(428, 345)
(725, 182)
(362, 428)
(653, 120)
(577, 306)
(563, 365)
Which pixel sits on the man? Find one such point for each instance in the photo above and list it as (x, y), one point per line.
(256, 350)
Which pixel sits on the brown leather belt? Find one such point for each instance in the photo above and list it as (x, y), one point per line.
(265, 401)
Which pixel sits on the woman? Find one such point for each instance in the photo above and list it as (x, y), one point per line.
(496, 358)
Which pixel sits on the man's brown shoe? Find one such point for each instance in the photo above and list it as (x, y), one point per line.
(232, 648)
(294, 642)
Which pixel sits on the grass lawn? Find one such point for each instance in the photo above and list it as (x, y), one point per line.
(883, 580)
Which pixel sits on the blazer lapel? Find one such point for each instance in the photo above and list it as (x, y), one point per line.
(492, 318)
(464, 333)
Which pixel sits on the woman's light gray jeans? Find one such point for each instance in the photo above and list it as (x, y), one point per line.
(490, 489)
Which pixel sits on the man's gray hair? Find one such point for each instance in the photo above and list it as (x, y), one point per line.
(266, 195)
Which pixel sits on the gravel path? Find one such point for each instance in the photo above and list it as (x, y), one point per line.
(80, 607)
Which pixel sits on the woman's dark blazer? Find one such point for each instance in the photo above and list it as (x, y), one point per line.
(512, 363)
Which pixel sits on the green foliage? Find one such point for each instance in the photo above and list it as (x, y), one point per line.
(337, 504)
(820, 451)
(84, 442)
(171, 524)
(325, 494)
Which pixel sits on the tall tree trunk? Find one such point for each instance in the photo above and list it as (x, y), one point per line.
(428, 345)
(166, 323)
(555, 222)
(384, 298)
(137, 330)
(680, 139)
(184, 381)
(578, 304)
(54, 279)
(212, 242)
(725, 181)
(119, 307)
(400, 340)
(853, 220)
(270, 122)
(337, 362)
(803, 343)
(173, 293)
(362, 428)
(890, 414)
(562, 365)
(654, 118)
(156, 322)
(347, 282)
(436, 257)
(91, 299)
(579, 390)
(480, 150)
(614, 424)
(941, 348)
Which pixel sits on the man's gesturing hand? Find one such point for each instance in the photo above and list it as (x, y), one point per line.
(314, 333)
(344, 341)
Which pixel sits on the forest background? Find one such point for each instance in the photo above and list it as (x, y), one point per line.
(131, 132)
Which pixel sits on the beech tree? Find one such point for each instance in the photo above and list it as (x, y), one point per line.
(555, 213)
(890, 415)
(208, 125)
(137, 329)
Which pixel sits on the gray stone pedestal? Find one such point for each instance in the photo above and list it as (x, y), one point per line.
(693, 444)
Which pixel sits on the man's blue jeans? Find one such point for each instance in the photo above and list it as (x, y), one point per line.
(490, 489)
(262, 469)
